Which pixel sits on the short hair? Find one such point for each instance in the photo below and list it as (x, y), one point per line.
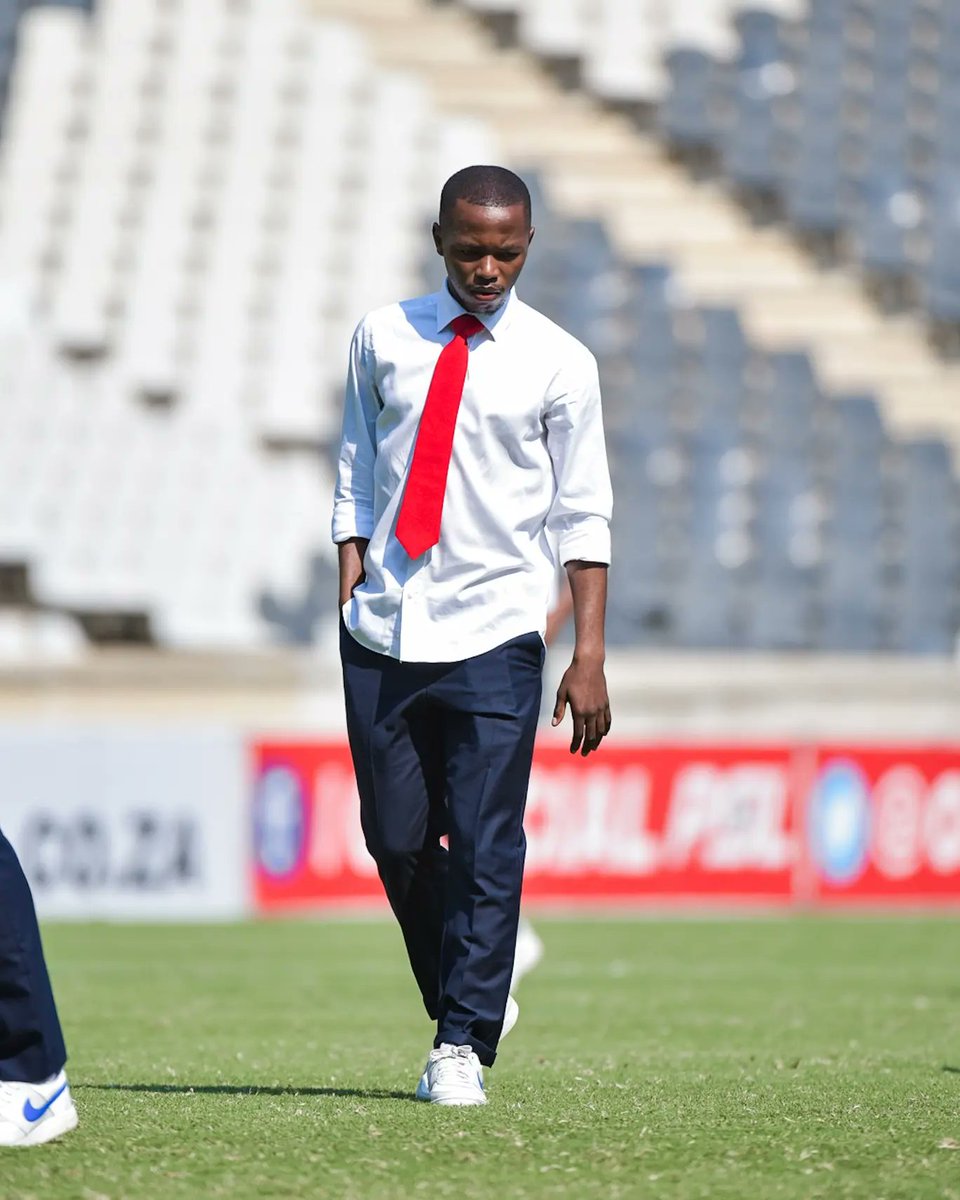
(491, 187)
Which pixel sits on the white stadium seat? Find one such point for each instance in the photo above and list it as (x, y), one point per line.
(557, 28)
(624, 50)
(52, 68)
(28, 637)
(186, 132)
(705, 26)
(107, 167)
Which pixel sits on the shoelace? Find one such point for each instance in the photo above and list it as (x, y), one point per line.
(454, 1061)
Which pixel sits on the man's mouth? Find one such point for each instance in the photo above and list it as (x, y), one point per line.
(486, 293)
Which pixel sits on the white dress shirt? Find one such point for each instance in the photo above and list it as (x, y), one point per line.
(528, 478)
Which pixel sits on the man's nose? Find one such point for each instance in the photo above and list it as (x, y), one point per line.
(487, 268)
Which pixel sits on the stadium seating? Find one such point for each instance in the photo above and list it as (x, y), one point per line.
(841, 116)
(198, 201)
(752, 510)
(824, 550)
(178, 284)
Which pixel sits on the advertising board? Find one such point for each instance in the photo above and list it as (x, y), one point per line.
(117, 823)
(651, 823)
(630, 824)
(883, 824)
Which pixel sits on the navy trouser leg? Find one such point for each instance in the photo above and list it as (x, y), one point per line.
(447, 748)
(491, 704)
(397, 752)
(31, 1041)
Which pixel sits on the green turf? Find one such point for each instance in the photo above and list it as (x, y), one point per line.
(751, 1058)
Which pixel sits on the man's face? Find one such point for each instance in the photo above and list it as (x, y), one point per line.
(484, 250)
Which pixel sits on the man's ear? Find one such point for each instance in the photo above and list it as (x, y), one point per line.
(532, 232)
(437, 240)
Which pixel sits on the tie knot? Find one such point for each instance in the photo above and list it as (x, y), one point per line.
(466, 326)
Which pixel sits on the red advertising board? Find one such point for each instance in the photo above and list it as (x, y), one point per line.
(774, 825)
(633, 823)
(883, 824)
(308, 845)
(768, 824)
(660, 821)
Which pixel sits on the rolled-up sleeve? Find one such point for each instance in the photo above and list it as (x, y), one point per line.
(579, 518)
(353, 500)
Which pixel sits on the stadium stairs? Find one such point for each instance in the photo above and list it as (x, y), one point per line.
(597, 162)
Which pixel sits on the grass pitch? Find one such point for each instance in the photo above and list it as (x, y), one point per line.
(675, 1059)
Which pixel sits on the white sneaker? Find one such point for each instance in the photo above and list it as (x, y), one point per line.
(33, 1113)
(528, 953)
(452, 1076)
(511, 1013)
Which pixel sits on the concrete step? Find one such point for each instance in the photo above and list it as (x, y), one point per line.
(833, 317)
(730, 272)
(366, 11)
(506, 98)
(886, 358)
(616, 182)
(925, 398)
(564, 147)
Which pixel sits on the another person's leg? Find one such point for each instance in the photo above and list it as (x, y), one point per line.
(529, 952)
(35, 1102)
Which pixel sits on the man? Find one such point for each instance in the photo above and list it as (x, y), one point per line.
(472, 435)
(35, 1101)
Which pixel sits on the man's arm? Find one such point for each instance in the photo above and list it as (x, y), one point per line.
(353, 500)
(352, 574)
(584, 685)
(579, 519)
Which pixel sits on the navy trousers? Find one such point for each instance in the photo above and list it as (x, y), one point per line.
(445, 749)
(31, 1041)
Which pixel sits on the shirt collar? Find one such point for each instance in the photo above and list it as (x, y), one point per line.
(449, 308)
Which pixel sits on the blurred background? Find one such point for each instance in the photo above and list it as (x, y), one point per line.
(750, 211)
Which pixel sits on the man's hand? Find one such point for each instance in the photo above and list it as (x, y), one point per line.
(584, 688)
(352, 574)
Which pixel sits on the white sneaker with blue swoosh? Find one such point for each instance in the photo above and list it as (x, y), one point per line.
(33, 1113)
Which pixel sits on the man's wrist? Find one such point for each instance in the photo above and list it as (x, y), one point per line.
(589, 656)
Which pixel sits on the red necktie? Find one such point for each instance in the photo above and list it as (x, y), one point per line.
(418, 526)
